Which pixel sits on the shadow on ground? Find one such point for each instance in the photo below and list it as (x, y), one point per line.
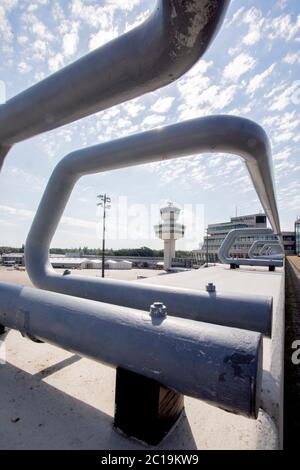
(36, 415)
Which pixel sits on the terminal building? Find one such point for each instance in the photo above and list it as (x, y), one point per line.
(297, 236)
(289, 243)
(217, 232)
(13, 259)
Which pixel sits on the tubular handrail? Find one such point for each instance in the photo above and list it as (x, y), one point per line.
(209, 134)
(265, 243)
(3, 152)
(144, 59)
(229, 241)
(271, 249)
(217, 364)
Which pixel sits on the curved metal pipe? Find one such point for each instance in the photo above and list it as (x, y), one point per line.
(210, 134)
(231, 237)
(150, 56)
(222, 366)
(265, 249)
(269, 249)
(265, 243)
(3, 152)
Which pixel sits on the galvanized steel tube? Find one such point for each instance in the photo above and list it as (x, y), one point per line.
(232, 236)
(220, 365)
(150, 56)
(210, 134)
(265, 243)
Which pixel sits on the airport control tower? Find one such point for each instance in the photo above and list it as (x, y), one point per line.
(169, 230)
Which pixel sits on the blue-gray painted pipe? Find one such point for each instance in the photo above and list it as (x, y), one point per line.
(222, 366)
(210, 134)
(3, 152)
(262, 244)
(265, 243)
(229, 241)
(150, 56)
(271, 249)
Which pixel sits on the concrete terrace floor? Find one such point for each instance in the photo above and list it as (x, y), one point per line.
(51, 399)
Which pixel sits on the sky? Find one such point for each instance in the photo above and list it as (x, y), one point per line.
(250, 70)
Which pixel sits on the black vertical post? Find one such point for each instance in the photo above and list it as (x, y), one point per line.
(104, 201)
(145, 409)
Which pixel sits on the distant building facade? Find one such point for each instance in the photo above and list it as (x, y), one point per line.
(217, 232)
(13, 259)
(297, 236)
(68, 263)
(289, 243)
(87, 263)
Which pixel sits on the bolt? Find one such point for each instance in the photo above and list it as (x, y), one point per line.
(158, 309)
(211, 287)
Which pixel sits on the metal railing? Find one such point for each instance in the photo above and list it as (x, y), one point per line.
(146, 58)
(215, 134)
(233, 235)
(264, 244)
(152, 55)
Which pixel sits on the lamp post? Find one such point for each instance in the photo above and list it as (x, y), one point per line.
(105, 203)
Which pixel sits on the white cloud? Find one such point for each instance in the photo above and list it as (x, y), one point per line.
(153, 120)
(38, 28)
(282, 85)
(79, 223)
(24, 67)
(240, 65)
(218, 98)
(282, 4)
(162, 105)
(52, 36)
(284, 155)
(6, 31)
(237, 15)
(283, 27)
(137, 21)
(26, 214)
(133, 108)
(292, 58)
(23, 40)
(124, 5)
(252, 37)
(102, 37)
(284, 98)
(25, 178)
(70, 43)
(22, 213)
(283, 137)
(94, 15)
(40, 49)
(56, 62)
(253, 18)
(258, 80)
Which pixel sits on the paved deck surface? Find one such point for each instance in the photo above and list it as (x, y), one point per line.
(51, 399)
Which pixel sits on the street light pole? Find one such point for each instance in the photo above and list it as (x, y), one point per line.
(105, 200)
